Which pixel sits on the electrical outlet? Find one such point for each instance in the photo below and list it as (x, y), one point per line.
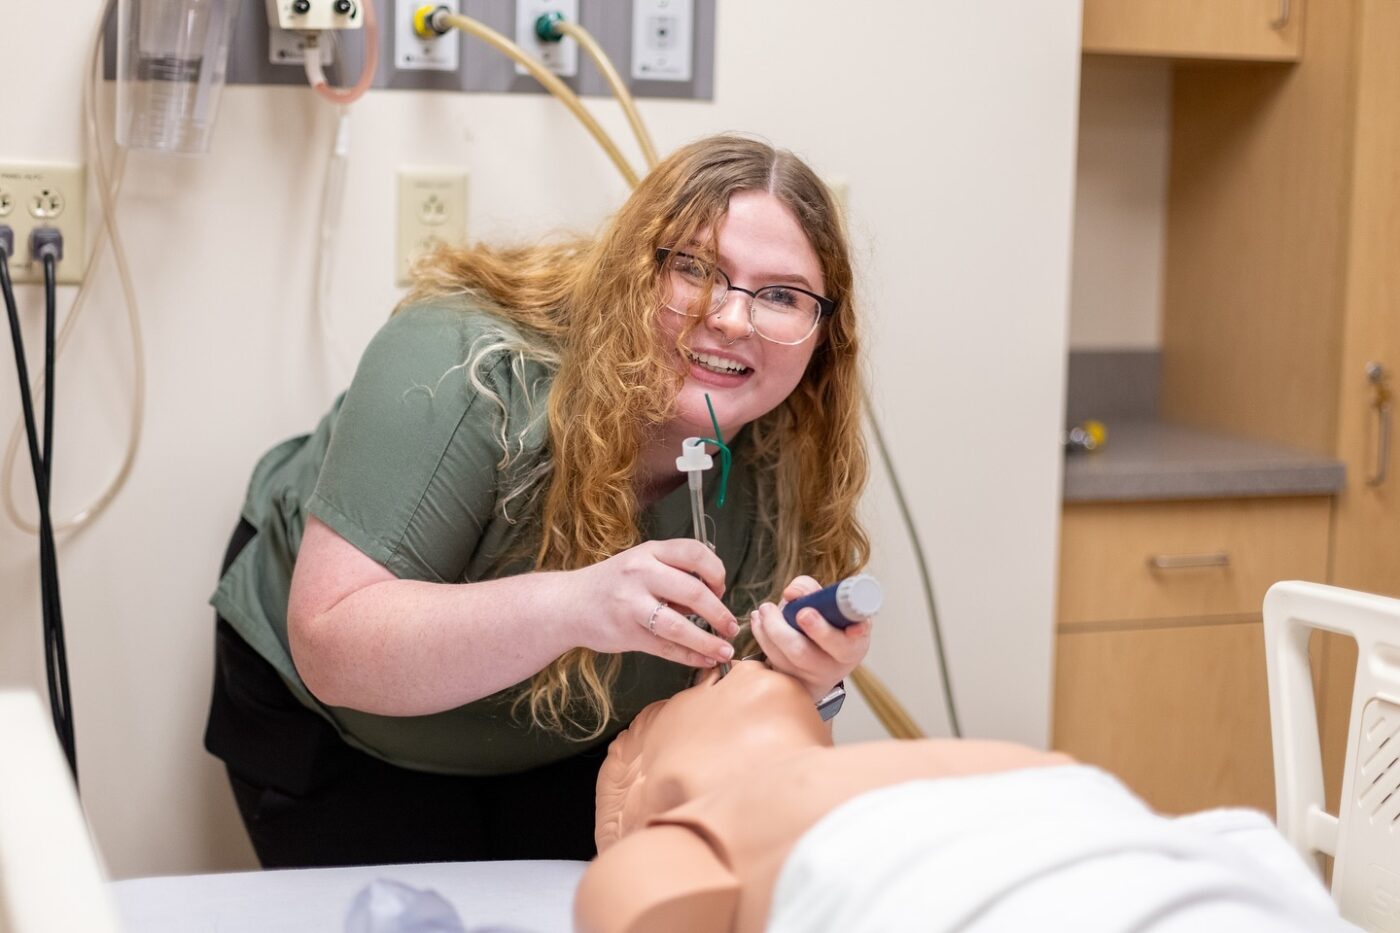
(662, 31)
(559, 57)
(36, 195)
(414, 53)
(432, 211)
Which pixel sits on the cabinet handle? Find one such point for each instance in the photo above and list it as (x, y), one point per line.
(1187, 561)
(1285, 12)
(1381, 404)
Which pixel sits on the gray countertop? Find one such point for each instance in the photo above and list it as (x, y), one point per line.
(1155, 460)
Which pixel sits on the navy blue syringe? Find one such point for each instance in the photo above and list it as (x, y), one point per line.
(853, 600)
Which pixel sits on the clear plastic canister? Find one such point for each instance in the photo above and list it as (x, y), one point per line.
(171, 59)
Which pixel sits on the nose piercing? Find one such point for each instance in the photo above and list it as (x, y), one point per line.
(744, 336)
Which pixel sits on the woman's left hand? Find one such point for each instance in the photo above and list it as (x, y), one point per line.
(821, 655)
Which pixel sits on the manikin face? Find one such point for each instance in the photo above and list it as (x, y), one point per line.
(760, 243)
(701, 740)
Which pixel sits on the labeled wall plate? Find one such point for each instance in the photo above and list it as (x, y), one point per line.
(414, 53)
(288, 47)
(559, 57)
(663, 32)
(432, 212)
(45, 195)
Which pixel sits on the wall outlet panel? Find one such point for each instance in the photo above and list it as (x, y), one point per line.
(412, 52)
(480, 68)
(662, 40)
(432, 211)
(559, 57)
(45, 195)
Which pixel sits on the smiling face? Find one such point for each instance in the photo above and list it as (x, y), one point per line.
(760, 242)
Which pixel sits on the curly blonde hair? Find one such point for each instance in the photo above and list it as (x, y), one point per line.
(587, 308)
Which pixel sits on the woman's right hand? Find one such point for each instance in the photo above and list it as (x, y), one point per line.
(638, 600)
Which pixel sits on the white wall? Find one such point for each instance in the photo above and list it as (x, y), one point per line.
(957, 141)
(1120, 207)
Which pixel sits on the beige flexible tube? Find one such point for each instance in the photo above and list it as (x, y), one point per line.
(108, 186)
(442, 17)
(896, 720)
(619, 88)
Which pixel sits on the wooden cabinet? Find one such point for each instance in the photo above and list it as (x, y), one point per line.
(1160, 674)
(1281, 281)
(1280, 285)
(1257, 30)
(1184, 560)
(1180, 713)
(1366, 533)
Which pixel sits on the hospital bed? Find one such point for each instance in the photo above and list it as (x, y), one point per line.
(1364, 837)
(51, 877)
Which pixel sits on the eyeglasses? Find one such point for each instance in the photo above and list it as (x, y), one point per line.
(779, 313)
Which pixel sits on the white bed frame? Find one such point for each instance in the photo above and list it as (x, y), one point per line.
(1364, 838)
(50, 876)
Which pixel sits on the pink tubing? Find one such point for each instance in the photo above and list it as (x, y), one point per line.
(352, 94)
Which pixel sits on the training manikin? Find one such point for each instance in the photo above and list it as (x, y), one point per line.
(703, 798)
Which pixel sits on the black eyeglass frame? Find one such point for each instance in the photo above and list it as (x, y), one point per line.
(826, 307)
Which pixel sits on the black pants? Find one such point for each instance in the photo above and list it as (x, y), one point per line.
(310, 800)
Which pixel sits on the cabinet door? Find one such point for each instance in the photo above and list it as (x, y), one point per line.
(1259, 30)
(1180, 714)
(1366, 550)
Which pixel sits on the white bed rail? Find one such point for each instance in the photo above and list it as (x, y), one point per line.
(1364, 838)
(50, 875)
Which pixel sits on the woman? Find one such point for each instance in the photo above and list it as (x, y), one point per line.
(442, 603)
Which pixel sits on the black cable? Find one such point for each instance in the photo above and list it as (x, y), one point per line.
(50, 311)
(35, 459)
(59, 650)
(919, 558)
(55, 656)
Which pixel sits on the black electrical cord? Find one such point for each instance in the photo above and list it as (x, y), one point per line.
(59, 647)
(55, 653)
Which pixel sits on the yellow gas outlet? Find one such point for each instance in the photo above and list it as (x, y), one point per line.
(37, 195)
(432, 211)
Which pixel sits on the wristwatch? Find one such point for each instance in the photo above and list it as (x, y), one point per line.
(829, 705)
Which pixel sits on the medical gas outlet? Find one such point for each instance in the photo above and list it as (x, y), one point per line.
(421, 49)
(36, 197)
(315, 15)
(558, 55)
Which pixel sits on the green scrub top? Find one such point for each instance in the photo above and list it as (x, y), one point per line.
(405, 468)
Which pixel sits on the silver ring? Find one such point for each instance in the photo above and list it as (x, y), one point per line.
(651, 619)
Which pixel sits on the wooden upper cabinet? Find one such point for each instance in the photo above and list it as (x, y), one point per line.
(1256, 30)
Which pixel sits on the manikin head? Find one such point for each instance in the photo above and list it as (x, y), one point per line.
(714, 735)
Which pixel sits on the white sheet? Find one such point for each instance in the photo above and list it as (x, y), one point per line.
(528, 896)
(1067, 848)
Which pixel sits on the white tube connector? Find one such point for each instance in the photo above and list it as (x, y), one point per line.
(693, 457)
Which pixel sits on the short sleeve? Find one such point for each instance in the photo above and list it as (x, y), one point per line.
(409, 477)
